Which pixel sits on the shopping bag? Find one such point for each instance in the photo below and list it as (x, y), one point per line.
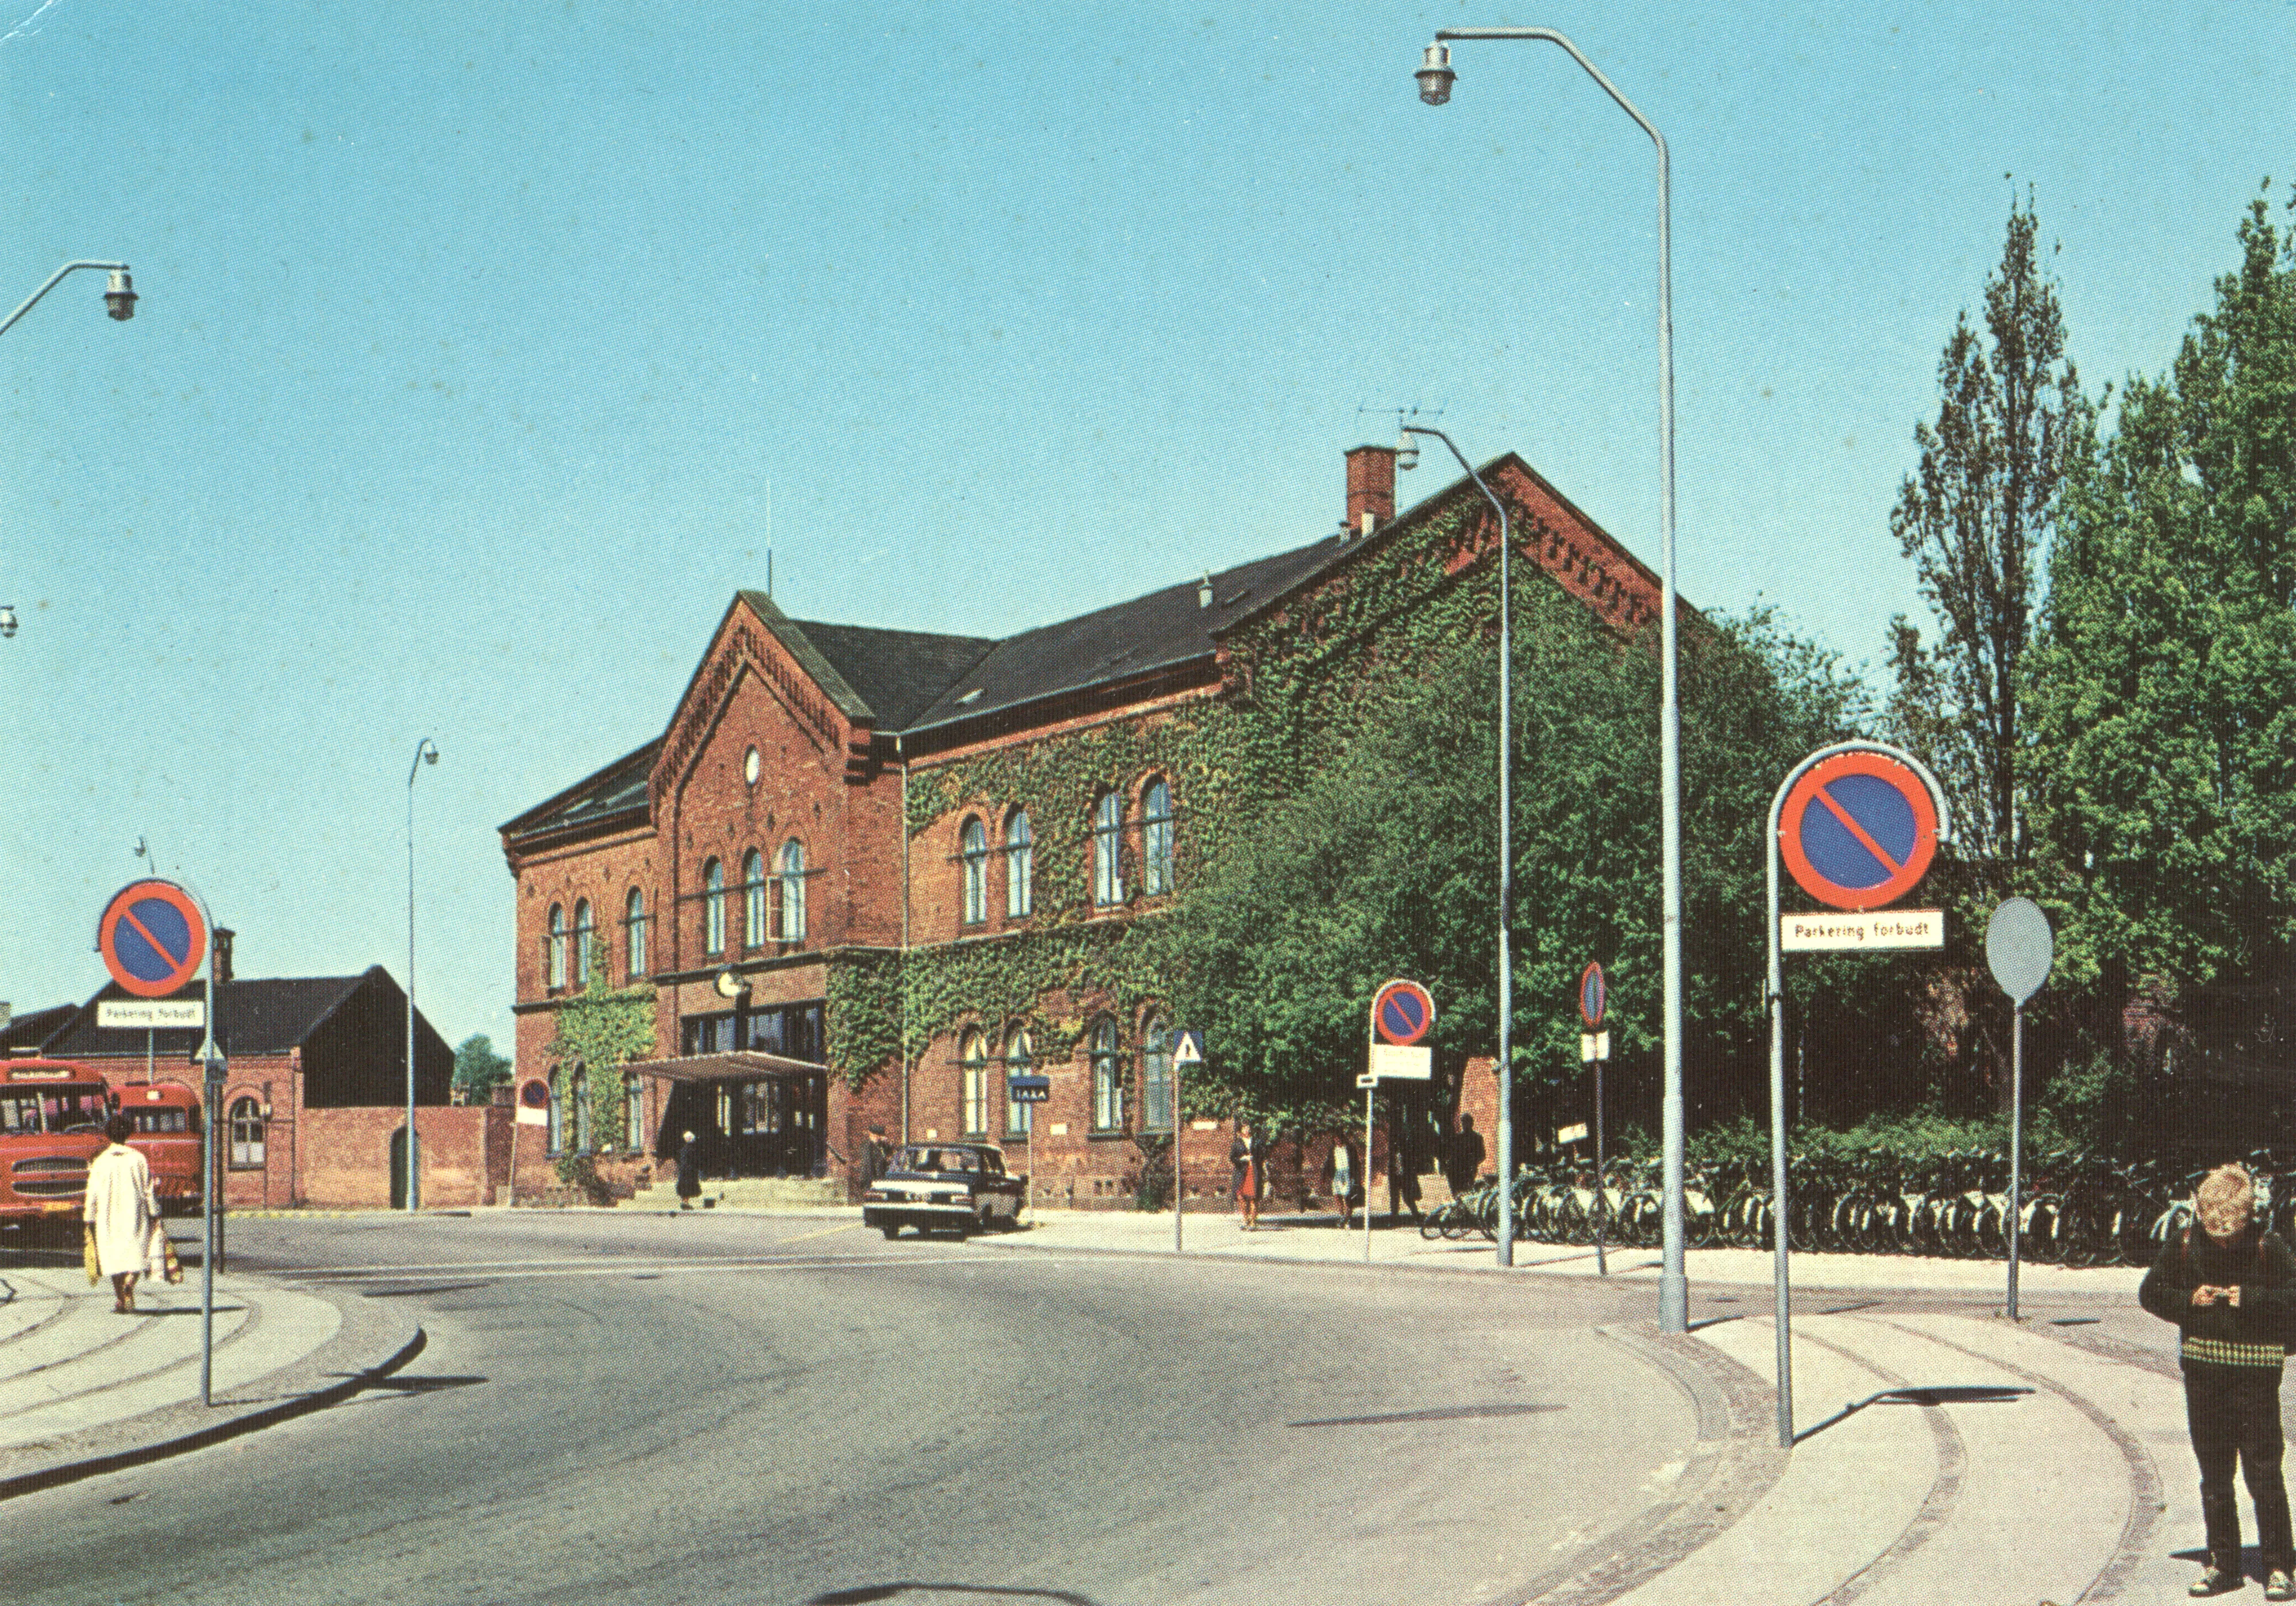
(88, 1254)
(161, 1254)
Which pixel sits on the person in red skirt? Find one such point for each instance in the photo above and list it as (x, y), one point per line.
(1247, 1155)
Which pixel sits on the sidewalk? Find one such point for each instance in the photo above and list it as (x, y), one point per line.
(85, 1390)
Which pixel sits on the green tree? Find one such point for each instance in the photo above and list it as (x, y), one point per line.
(2164, 735)
(479, 1070)
(1385, 863)
(1973, 521)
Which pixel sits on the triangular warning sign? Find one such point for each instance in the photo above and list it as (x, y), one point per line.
(1191, 1049)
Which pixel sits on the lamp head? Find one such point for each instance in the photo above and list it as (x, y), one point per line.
(120, 298)
(1406, 452)
(7, 621)
(1435, 75)
(429, 755)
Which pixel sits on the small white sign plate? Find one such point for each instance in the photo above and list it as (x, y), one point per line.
(1412, 1064)
(1593, 1046)
(1571, 1135)
(147, 1015)
(1874, 930)
(1369, 1078)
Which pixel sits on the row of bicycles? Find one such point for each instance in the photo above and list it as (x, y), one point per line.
(2074, 1209)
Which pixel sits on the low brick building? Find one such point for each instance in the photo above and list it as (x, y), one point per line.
(315, 1101)
(865, 876)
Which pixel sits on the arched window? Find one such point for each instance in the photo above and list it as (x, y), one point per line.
(246, 1135)
(1108, 850)
(1156, 1076)
(789, 891)
(577, 1094)
(585, 932)
(1107, 1080)
(633, 1114)
(972, 853)
(554, 1129)
(1019, 866)
(1017, 1116)
(972, 1060)
(713, 907)
(553, 947)
(753, 899)
(1156, 839)
(635, 945)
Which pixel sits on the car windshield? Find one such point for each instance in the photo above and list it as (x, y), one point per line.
(940, 1159)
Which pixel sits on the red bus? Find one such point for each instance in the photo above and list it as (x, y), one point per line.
(52, 1115)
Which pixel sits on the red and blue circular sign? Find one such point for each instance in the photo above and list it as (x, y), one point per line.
(1402, 1013)
(1859, 830)
(1594, 994)
(153, 937)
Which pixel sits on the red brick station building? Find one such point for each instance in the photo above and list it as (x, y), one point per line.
(864, 875)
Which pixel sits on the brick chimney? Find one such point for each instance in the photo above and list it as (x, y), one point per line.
(1371, 489)
(222, 958)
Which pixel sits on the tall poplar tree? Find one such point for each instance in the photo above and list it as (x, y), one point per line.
(1973, 521)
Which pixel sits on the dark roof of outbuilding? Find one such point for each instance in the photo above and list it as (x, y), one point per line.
(32, 1029)
(256, 1016)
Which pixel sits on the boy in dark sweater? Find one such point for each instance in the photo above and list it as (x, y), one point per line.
(2231, 1289)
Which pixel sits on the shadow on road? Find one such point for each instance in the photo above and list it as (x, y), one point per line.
(863, 1593)
(1941, 1394)
(1440, 1413)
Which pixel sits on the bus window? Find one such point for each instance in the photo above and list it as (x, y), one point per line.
(159, 1121)
(71, 1109)
(20, 1112)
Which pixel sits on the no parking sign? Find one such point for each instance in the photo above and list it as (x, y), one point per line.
(153, 937)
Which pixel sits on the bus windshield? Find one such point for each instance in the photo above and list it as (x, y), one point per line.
(51, 1109)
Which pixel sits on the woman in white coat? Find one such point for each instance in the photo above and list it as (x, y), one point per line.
(121, 1209)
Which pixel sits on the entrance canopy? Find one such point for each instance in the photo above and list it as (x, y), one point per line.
(743, 1065)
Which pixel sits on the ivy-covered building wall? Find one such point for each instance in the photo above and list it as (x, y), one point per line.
(988, 833)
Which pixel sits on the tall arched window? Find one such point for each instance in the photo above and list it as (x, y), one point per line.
(789, 891)
(554, 1129)
(973, 854)
(1156, 839)
(713, 907)
(753, 899)
(972, 1061)
(1017, 1117)
(577, 1094)
(1108, 850)
(584, 933)
(633, 1114)
(1156, 1076)
(246, 1135)
(635, 945)
(1019, 866)
(553, 947)
(1107, 1079)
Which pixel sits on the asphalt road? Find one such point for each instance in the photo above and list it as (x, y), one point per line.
(750, 1409)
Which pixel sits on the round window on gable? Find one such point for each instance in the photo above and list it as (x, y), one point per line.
(750, 766)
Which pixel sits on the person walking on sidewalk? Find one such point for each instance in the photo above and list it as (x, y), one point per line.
(2231, 1290)
(122, 1211)
(689, 1171)
(1247, 1155)
(1340, 1180)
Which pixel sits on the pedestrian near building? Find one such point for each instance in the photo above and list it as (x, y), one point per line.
(2231, 1289)
(1402, 1172)
(1248, 1155)
(1340, 1179)
(689, 1170)
(122, 1212)
(1463, 1160)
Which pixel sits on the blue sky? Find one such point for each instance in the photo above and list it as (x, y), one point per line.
(483, 346)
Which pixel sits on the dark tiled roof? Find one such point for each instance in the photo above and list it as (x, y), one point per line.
(1158, 631)
(31, 1030)
(263, 1017)
(620, 785)
(897, 673)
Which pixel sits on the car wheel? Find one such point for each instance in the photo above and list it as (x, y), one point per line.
(891, 1229)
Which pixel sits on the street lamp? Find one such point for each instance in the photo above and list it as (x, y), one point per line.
(1406, 456)
(119, 300)
(1435, 77)
(426, 753)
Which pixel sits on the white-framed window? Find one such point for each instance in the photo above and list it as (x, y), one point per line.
(633, 1114)
(1107, 1079)
(789, 894)
(246, 1135)
(584, 936)
(635, 920)
(555, 1131)
(553, 947)
(1020, 867)
(1156, 1076)
(577, 1094)
(753, 899)
(972, 857)
(1156, 839)
(1108, 850)
(1019, 1118)
(972, 1063)
(713, 907)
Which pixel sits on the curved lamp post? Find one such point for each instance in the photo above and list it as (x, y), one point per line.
(425, 752)
(118, 299)
(1435, 79)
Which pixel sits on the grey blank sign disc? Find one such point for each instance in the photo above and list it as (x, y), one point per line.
(2019, 948)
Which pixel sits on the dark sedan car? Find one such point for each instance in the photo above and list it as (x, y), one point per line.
(959, 1188)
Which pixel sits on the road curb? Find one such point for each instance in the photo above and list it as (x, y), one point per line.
(371, 1346)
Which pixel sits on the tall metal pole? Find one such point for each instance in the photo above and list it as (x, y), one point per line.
(210, 1087)
(1673, 1288)
(1505, 1067)
(1774, 998)
(2016, 1143)
(423, 750)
